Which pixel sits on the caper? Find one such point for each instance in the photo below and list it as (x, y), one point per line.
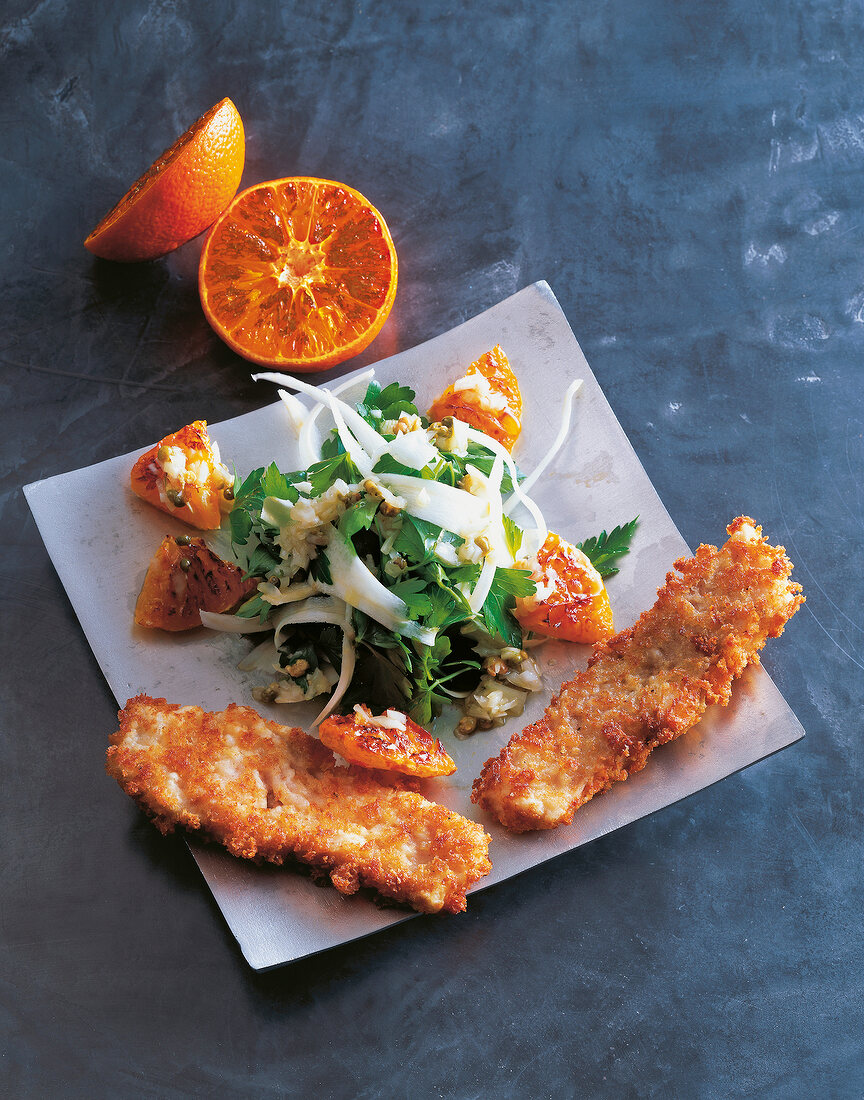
(183, 540)
(228, 493)
(176, 497)
(466, 726)
(185, 564)
(496, 667)
(372, 489)
(162, 454)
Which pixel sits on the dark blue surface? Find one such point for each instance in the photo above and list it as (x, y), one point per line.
(688, 178)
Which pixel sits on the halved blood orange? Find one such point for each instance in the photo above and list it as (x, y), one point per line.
(185, 577)
(182, 192)
(571, 602)
(487, 397)
(400, 745)
(298, 273)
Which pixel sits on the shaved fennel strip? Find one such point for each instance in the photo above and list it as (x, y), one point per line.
(310, 440)
(491, 493)
(355, 583)
(346, 673)
(298, 414)
(450, 508)
(297, 591)
(353, 448)
(372, 442)
(368, 437)
(413, 449)
(317, 609)
(484, 583)
(541, 530)
(531, 480)
(308, 437)
(232, 624)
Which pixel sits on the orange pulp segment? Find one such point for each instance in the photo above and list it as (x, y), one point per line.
(400, 746)
(487, 397)
(185, 578)
(571, 602)
(184, 476)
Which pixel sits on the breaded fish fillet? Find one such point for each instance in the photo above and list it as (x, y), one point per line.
(648, 684)
(268, 792)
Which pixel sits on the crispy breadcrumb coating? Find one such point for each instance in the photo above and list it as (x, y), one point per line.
(648, 684)
(266, 791)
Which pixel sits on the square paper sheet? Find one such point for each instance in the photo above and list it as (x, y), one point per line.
(595, 482)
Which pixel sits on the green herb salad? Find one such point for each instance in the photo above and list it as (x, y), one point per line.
(390, 564)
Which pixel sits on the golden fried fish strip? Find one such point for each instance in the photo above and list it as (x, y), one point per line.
(267, 792)
(648, 684)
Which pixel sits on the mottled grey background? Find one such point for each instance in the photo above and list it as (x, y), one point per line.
(688, 178)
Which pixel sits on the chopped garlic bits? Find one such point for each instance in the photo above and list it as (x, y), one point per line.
(303, 526)
(389, 720)
(485, 397)
(494, 702)
(290, 691)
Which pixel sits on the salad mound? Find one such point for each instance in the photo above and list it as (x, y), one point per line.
(389, 571)
(388, 568)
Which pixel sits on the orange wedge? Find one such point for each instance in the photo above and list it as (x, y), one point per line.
(298, 273)
(184, 476)
(180, 194)
(400, 746)
(487, 397)
(185, 578)
(576, 605)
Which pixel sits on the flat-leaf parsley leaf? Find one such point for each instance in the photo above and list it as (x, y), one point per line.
(603, 548)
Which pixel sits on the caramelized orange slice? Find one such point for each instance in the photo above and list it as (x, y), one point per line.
(571, 601)
(184, 476)
(399, 745)
(184, 578)
(487, 398)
